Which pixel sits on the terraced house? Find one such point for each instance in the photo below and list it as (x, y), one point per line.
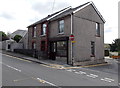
(53, 33)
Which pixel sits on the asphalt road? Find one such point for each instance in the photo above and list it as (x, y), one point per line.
(112, 66)
(18, 72)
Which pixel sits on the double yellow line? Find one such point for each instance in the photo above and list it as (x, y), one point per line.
(17, 58)
(58, 66)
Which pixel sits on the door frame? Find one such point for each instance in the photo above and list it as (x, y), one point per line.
(55, 40)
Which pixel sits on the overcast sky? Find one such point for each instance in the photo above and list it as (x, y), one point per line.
(18, 14)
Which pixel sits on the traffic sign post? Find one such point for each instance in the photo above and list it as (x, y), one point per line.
(71, 37)
(73, 41)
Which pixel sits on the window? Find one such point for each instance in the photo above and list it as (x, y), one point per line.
(97, 29)
(92, 48)
(61, 26)
(44, 27)
(34, 31)
(42, 45)
(8, 46)
(53, 46)
(34, 45)
(62, 48)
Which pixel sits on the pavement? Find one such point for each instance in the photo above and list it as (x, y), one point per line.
(52, 63)
(48, 62)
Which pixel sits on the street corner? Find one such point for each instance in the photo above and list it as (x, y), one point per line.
(55, 66)
(87, 66)
(97, 65)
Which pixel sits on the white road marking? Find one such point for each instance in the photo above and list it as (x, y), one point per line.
(70, 70)
(73, 70)
(81, 72)
(77, 72)
(110, 79)
(92, 76)
(11, 67)
(50, 83)
(41, 80)
(91, 70)
(107, 79)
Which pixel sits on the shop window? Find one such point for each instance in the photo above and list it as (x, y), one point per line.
(62, 48)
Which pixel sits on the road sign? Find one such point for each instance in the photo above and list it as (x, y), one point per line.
(73, 41)
(71, 37)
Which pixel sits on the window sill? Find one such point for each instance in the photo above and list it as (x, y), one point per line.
(43, 35)
(92, 55)
(34, 37)
(97, 35)
(61, 33)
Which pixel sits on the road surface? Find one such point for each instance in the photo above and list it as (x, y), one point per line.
(19, 72)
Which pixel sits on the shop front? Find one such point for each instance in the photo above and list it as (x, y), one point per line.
(58, 48)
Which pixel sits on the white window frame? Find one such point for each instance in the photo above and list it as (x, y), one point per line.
(97, 29)
(34, 45)
(61, 27)
(34, 31)
(44, 28)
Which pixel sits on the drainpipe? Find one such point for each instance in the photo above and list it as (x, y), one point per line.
(71, 42)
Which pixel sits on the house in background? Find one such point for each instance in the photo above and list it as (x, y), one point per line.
(24, 40)
(10, 45)
(18, 32)
(52, 35)
(107, 49)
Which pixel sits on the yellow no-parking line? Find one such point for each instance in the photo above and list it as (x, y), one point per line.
(17, 58)
(57, 66)
(86, 66)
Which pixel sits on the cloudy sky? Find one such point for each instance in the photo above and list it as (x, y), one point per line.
(18, 14)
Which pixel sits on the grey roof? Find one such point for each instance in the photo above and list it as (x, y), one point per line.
(24, 38)
(67, 11)
(44, 19)
(19, 32)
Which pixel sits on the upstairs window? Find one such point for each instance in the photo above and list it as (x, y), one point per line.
(34, 31)
(92, 48)
(44, 27)
(61, 26)
(97, 29)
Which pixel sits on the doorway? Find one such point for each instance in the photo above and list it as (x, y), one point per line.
(59, 51)
(9, 46)
(53, 50)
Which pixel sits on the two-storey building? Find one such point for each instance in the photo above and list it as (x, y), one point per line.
(52, 35)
